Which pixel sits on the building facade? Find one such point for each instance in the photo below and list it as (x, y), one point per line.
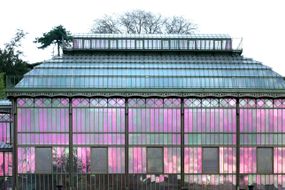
(5, 144)
(149, 112)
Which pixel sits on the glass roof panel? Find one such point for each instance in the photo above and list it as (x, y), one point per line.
(152, 71)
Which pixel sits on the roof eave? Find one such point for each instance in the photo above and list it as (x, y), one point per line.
(214, 92)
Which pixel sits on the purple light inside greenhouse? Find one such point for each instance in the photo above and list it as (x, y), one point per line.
(153, 122)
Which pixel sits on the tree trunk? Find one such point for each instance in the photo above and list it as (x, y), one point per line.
(58, 50)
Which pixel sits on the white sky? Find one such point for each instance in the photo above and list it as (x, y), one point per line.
(259, 22)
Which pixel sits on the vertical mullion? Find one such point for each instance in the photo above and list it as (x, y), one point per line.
(70, 144)
(126, 143)
(182, 141)
(237, 143)
(15, 144)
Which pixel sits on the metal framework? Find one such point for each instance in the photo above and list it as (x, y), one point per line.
(116, 97)
(126, 177)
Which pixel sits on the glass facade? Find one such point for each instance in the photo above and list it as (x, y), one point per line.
(5, 147)
(138, 142)
(137, 112)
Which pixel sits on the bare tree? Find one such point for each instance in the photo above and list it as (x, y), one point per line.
(107, 25)
(142, 22)
(179, 25)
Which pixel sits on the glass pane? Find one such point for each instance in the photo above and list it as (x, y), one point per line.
(99, 160)
(264, 160)
(154, 160)
(210, 160)
(43, 160)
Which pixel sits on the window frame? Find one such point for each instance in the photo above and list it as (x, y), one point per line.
(218, 159)
(272, 160)
(162, 159)
(36, 160)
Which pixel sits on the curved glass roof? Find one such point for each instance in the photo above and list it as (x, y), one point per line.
(152, 71)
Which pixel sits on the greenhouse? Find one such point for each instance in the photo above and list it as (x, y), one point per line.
(137, 112)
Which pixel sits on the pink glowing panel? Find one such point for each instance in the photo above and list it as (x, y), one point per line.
(8, 164)
(154, 139)
(25, 102)
(137, 160)
(193, 160)
(5, 132)
(188, 120)
(83, 159)
(1, 163)
(172, 160)
(281, 127)
(248, 160)
(26, 160)
(279, 160)
(227, 160)
(43, 139)
(99, 120)
(154, 120)
(43, 120)
(100, 139)
(210, 120)
(116, 160)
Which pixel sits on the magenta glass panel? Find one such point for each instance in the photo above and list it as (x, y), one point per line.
(8, 163)
(1, 163)
(247, 160)
(80, 102)
(172, 160)
(279, 103)
(263, 118)
(116, 160)
(5, 163)
(60, 159)
(26, 159)
(227, 159)
(193, 160)
(154, 139)
(137, 160)
(43, 139)
(210, 120)
(154, 120)
(98, 139)
(5, 132)
(82, 156)
(42, 102)
(98, 120)
(43, 120)
(279, 160)
(25, 102)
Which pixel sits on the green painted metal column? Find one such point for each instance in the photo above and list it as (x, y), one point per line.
(15, 143)
(71, 173)
(127, 143)
(182, 143)
(237, 143)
